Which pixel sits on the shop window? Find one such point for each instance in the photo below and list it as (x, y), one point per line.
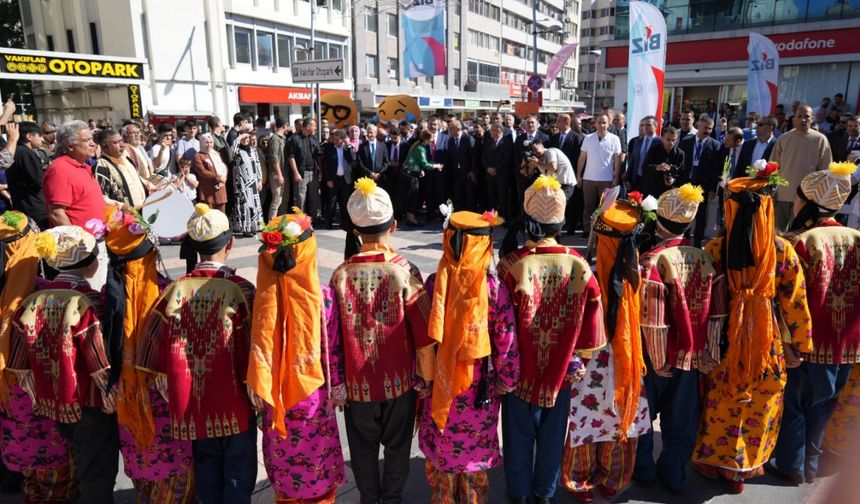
(242, 42)
(264, 50)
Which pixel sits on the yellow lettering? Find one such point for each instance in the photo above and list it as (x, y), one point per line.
(57, 66)
(95, 67)
(82, 68)
(109, 70)
(132, 71)
(120, 70)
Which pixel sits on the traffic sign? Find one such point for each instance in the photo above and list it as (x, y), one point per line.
(311, 72)
(535, 82)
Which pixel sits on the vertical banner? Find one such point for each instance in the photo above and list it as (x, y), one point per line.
(423, 24)
(763, 75)
(557, 62)
(647, 65)
(135, 103)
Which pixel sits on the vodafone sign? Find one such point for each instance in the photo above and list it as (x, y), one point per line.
(790, 45)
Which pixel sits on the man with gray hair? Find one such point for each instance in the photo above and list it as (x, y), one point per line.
(135, 152)
(72, 194)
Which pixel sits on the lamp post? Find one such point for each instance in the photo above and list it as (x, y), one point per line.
(596, 52)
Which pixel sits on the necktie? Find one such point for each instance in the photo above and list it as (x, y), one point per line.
(433, 148)
(698, 153)
(852, 143)
(396, 153)
(561, 139)
(373, 154)
(643, 151)
(734, 157)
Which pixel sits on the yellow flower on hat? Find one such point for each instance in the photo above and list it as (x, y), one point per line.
(843, 168)
(365, 185)
(691, 193)
(46, 245)
(546, 182)
(829, 189)
(207, 223)
(369, 205)
(544, 201)
(680, 204)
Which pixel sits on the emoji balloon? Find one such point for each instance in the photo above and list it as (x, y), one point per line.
(339, 110)
(397, 108)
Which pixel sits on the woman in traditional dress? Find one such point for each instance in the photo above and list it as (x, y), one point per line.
(247, 182)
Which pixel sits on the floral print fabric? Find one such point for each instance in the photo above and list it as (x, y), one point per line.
(27, 440)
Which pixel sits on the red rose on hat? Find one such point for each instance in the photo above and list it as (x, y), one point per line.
(272, 240)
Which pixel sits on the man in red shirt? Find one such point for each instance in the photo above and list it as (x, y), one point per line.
(72, 194)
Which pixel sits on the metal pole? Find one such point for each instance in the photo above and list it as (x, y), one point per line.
(534, 35)
(594, 89)
(313, 48)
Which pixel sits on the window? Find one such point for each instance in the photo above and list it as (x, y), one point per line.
(483, 72)
(320, 50)
(50, 43)
(300, 49)
(456, 41)
(371, 16)
(607, 30)
(484, 40)
(456, 77)
(393, 68)
(337, 5)
(335, 51)
(264, 50)
(371, 65)
(484, 8)
(283, 51)
(70, 40)
(94, 38)
(242, 41)
(392, 25)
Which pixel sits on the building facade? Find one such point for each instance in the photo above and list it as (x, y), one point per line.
(489, 54)
(706, 57)
(202, 56)
(596, 87)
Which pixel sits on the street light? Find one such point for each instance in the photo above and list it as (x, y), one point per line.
(598, 53)
(535, 33)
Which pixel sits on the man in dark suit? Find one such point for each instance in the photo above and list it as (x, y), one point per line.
(530, 134)
(397, 151)
(433, 183)
(372, 157)
(569, 142)
(460, 170)
(850, 141)
(702, 167)
(637, 151)
(758, 148)
(337, 175)
(500, 167)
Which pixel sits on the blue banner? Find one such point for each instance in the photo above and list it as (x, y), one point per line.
(423, 23)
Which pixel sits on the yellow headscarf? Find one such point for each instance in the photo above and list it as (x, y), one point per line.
(458, 317)
(620, 219)
(20, 271)
(285, 365)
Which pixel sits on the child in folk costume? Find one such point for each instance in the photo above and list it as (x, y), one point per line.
(383, 326)
(608, 408)
(477, 362)
(58, 357)
(830, 256)
(682, 314)
(293, 374)
(159, 466)
(30, 443)
(559, 313)
(767, 313)
(198, 340)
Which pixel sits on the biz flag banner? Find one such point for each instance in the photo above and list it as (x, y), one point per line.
(423, 24)
(647, 64)
(557, 63)
(763, 75)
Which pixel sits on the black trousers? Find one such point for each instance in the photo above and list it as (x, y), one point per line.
(405, 194)
(463, 190)
(94, 440)
(337, 197)
(387, 423)
(701, 223)
(573, 212)
(498, 194)
(226, 468)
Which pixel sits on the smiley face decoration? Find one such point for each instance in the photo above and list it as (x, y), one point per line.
(397, 108)
(339, 110)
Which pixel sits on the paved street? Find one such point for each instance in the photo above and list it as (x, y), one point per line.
(422, 247)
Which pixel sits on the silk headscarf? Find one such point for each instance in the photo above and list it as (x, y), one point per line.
(459, 314)
(137, 278)
(749, 209)
(285, 365)
(615, 228)
(19, 273)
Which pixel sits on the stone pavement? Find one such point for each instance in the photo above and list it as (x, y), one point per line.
(423, 247)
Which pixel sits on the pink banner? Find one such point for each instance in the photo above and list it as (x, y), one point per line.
(557, 63)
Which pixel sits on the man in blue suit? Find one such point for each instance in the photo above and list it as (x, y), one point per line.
(703, 168)
(637, 151)
(758, 148)
(530, 134)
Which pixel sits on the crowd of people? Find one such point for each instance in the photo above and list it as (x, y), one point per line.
(744, 348)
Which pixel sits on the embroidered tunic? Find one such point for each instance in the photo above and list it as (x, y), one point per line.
(683, 305)
(383, 319)
(308, 463)
(559, 311)
(201, 344)
(740, 426)
(470, 441)
(830, 256)
(57, 350)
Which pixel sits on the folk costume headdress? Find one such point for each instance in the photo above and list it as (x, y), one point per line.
(824, 192)
(458, 317)
(287, 331)
(618, 227)
(543, 212)
(208, 230)
(131, 290)
(749, 256)
(676, 208)
(370, 207)
(67, 248)
(19, 266)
